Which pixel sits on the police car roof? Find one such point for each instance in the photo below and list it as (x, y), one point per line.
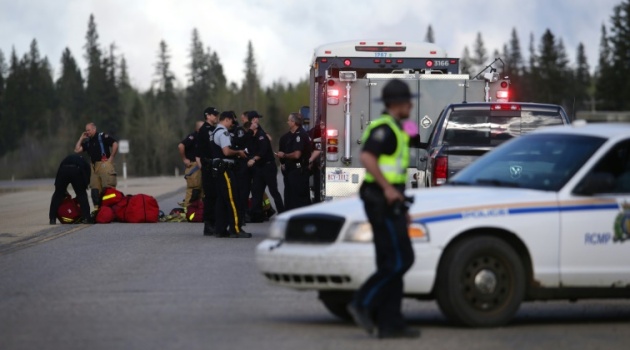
(581, 127)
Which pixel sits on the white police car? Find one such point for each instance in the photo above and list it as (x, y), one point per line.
(544, 216)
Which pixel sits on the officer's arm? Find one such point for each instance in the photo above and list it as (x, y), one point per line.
(114, 150)
(293, 155)
(228, 152)
(78, 148)
(182, 151)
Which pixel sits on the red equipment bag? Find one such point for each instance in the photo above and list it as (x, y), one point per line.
(111, 196)
(194, 211)
(119, 209)
(105, 215)
(69, 211)
(141, 208)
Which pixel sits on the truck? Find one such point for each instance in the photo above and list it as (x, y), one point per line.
(465, 131)
(346, 80)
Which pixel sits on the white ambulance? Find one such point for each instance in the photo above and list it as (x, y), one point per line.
(543, 216)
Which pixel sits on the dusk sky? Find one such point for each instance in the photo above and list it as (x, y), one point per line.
(284, 33)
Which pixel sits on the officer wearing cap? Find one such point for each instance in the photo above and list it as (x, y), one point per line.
(294, 152)
(187, 149)
(203, 157)
(385, 156)
(223, 166)
(265, 172)
(101, 148)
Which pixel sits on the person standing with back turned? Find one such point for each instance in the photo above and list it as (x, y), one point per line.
(385, 156)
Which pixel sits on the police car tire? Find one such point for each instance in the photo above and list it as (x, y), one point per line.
(337, 303)
(462, 301)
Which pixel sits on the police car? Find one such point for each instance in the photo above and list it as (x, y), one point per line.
(544, 216)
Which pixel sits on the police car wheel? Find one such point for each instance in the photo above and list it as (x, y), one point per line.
(336, 302)
(480, 282)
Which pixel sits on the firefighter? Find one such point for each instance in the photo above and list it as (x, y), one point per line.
(101, 148)
(295, 152)
(223, 166)
(265, 172)
(385, 156)
(74, 171)
(203, 158)
(192, 174)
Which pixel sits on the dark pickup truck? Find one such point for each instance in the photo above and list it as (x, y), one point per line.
(466, 131)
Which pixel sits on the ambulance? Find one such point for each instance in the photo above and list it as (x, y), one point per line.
(346, 80)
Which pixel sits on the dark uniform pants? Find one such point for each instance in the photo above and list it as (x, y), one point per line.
(69, 174)
(226, 213)
(382, 293)
(317, 184)
(265, 176)
(209, 192)
(297, 189)
(243, 185)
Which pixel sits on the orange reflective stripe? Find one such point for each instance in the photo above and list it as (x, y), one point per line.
(229, 186)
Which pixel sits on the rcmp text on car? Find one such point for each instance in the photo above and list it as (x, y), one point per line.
(543, 216)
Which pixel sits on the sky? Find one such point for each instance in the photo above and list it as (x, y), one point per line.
(285, 33)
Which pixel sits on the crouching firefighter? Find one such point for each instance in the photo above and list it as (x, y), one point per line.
(223, 170)
(101, 148)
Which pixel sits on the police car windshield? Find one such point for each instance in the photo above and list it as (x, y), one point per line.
(539, 161)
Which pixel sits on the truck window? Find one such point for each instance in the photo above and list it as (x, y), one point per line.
(479, 128)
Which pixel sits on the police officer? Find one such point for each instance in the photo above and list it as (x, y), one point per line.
(263, 164)
(223, 165)
(385, 156)
(203, 158)
(101, 148)
(187, 150)
(294, 152)
(74, 171)
(241, 137)
(314, 162)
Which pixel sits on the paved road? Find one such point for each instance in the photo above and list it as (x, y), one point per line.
(165, 286)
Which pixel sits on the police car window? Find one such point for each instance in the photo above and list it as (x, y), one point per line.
(480, 128)
(542, 162)
(616, 165)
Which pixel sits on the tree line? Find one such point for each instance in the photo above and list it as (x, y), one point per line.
(41, 118)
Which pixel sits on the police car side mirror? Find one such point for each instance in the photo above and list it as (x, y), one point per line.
(594, 183)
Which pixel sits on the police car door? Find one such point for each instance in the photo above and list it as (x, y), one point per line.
(595, 237)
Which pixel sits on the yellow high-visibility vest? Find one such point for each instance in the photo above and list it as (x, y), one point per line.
(393, 166)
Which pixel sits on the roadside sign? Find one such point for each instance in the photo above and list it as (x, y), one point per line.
(123, 146)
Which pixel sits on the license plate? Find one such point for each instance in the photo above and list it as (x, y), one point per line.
(343, 177)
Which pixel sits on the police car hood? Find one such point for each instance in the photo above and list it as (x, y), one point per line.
(440, 200)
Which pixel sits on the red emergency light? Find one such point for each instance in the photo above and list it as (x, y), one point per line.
(503, 94)
(333, 93)
(347, 62)
(429, 63)
(505, 107)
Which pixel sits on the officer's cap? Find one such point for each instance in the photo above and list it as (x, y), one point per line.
(396, 90)
(210, 110)
(253, 114)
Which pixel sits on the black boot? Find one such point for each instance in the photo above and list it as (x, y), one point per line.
(208, 229)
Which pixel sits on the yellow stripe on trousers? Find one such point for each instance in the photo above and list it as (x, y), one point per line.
(229, 186)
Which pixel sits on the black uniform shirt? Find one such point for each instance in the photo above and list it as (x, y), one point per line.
(204, 149)
(297, 141)
(93, 147)
(261, 147)
(190, 146)
(76, 161)
(316, 141)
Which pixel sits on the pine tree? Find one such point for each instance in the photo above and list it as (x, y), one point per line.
(582, 80)
(3, 73)
(40, 92)
(480, 54)
(70, 91)
(466, 62)
(604, 74)
(198, 90)
(251, 83)
(96, 89)
(551, 71)
(164, 82)
(430, 37)
(620, 55)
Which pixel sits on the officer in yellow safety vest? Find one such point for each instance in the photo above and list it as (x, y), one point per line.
(385, 156)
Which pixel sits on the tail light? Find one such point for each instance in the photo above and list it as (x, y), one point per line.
(505, 107)
(440, 171)
(332, 145)
(333, 96)
(502, 95)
